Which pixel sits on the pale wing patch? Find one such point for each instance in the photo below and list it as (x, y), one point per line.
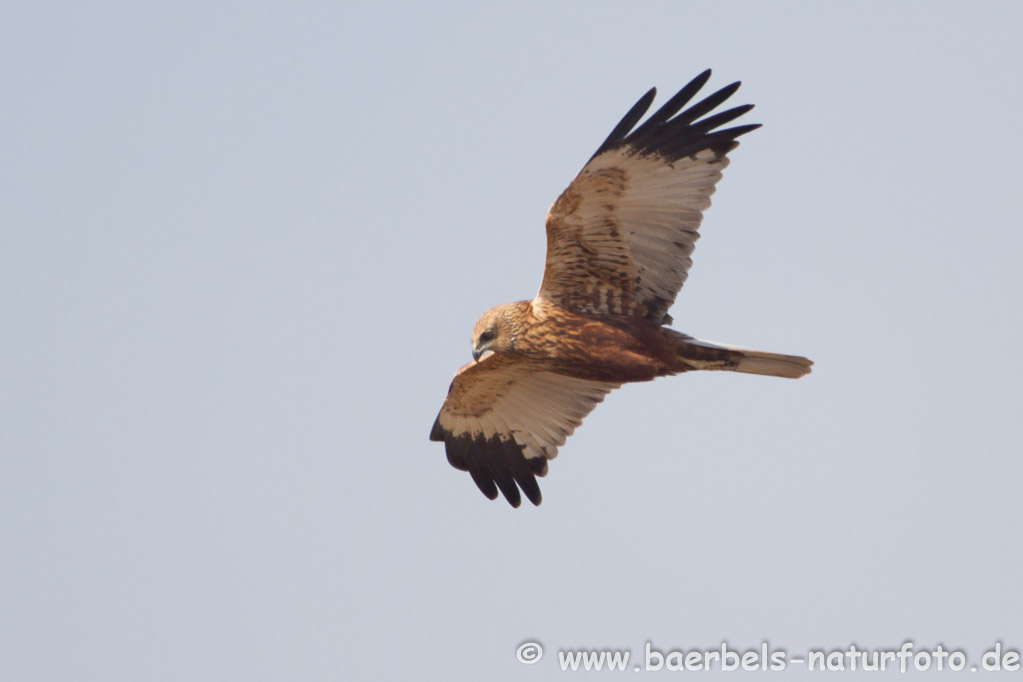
(540, 409)
(619, 239)
(499, 410)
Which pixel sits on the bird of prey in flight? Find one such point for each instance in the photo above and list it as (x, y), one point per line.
(619, 241)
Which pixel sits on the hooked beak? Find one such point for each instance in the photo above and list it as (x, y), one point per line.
(476, 353)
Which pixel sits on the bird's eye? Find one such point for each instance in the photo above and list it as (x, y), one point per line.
(488, 335)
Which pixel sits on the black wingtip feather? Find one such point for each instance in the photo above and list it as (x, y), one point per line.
(481, 475)
(437, 432)
(494, 465)
(628, 121)
(457, 451)
(673, 105)
(673, 133)
(497, 461)
(525, 475)
(718, 120)
(706, 105)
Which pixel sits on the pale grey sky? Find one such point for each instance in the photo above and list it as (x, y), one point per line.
(242, 247)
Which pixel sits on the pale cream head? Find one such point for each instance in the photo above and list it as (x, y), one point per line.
(496, 330)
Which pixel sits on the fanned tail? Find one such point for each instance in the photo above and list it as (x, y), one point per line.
(709, 355)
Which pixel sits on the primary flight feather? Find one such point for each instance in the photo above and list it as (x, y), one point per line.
(619, 242)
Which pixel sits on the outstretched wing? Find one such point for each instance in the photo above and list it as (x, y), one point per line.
(504, 418)
(619, 239)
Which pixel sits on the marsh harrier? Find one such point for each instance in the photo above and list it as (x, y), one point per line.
(619, 241)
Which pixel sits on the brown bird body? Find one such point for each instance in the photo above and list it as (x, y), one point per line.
(615, 348)
(619, 241)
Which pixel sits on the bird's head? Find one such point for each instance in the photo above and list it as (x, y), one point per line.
(495, 331)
